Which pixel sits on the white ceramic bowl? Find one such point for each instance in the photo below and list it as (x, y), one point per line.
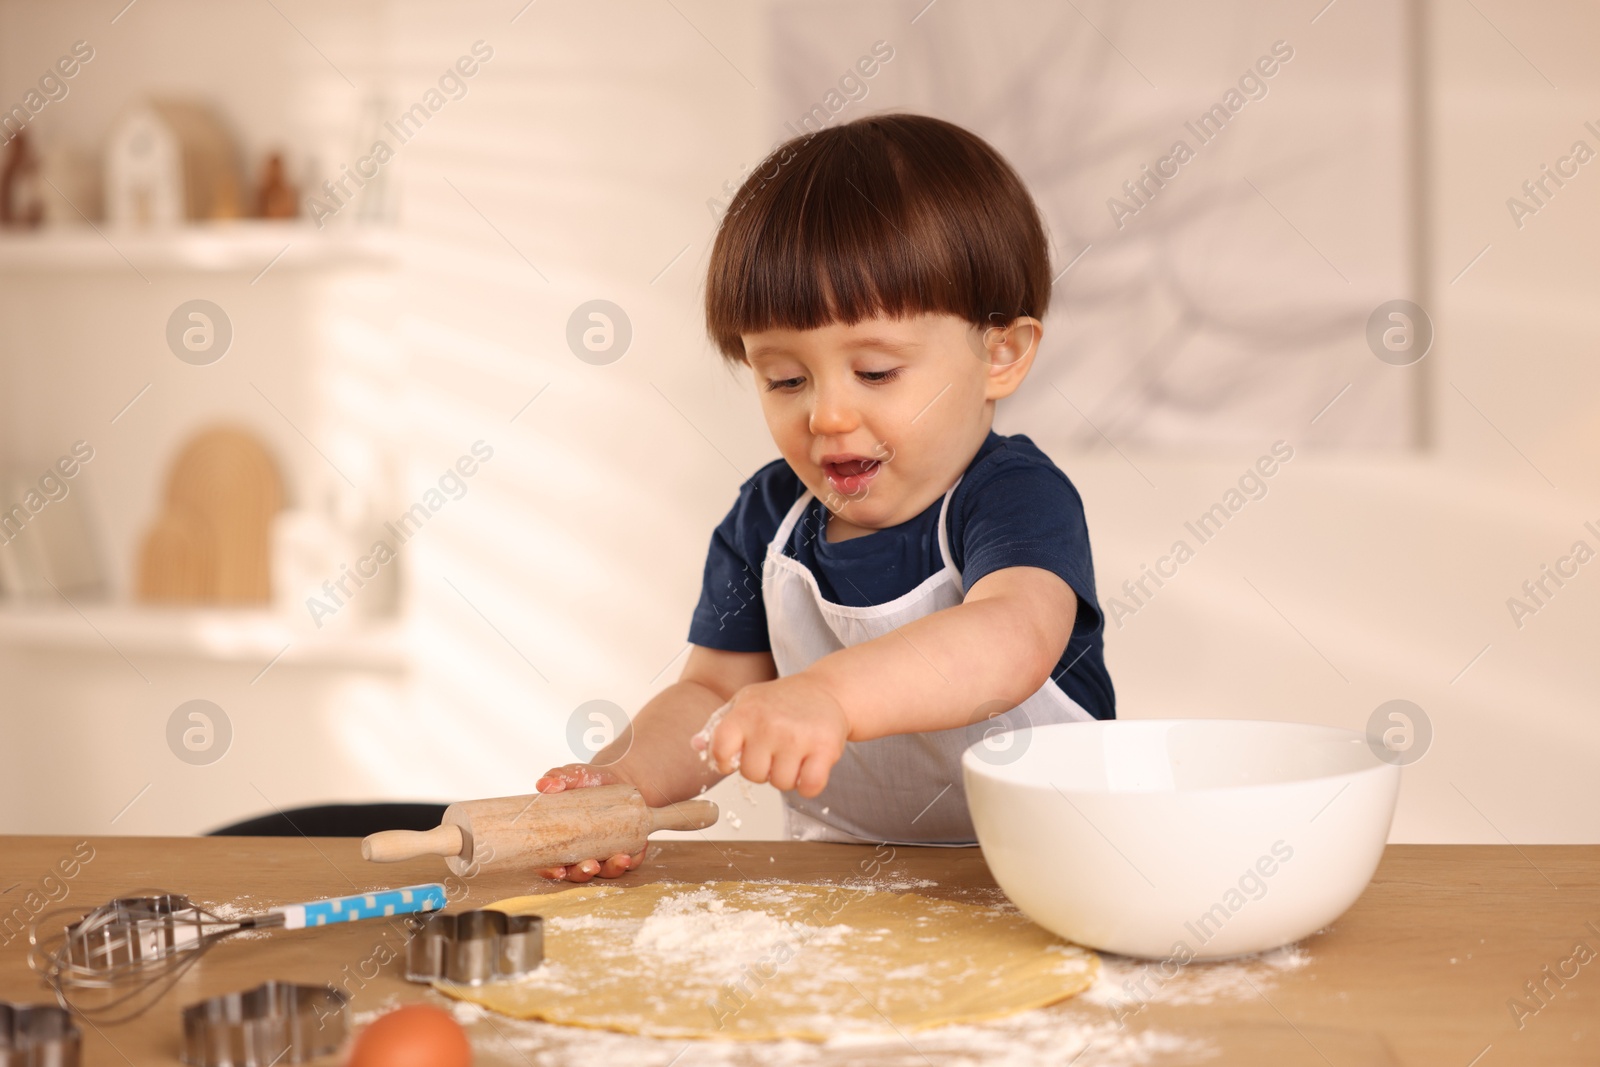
(1186, 839)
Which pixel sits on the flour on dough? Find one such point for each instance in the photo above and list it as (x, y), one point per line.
(767, 960)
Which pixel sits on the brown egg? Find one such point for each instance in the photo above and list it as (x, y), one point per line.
(416, 1035)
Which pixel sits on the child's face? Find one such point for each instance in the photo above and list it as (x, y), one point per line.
(880, 418)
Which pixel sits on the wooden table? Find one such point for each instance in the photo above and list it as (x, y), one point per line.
(1420, 971)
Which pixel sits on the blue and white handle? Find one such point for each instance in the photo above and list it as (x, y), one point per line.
(411, 899)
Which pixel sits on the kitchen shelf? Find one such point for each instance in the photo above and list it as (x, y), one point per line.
(237, 246)
(243, 635)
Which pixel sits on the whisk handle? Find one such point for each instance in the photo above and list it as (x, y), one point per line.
(406, 901)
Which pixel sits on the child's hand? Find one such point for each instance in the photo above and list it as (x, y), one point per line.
(577, 776)
(789, 732)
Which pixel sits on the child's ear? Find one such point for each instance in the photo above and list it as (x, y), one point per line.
(1009, 351)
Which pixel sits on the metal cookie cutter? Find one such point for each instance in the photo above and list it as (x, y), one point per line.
(276, 1022)
(37, 1035)
(474, 947)
(130, 933)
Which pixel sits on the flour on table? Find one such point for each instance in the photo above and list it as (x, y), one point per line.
(236, 909)
(904, 884)
(362, 1018)
(901, 885)
(232, 909)
(1124, 982)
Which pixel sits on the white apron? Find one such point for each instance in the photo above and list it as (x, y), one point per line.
(901, 789)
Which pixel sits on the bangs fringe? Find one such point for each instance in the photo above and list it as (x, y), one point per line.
(891, 215)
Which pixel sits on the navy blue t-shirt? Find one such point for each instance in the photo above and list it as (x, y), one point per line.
(1013, 508)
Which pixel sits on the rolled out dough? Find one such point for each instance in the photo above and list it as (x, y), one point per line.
(766, 960)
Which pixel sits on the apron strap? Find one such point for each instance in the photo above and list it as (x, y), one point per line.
(786, 527)
(944, 537)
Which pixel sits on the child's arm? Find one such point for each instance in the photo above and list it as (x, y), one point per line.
(653, 755)
(935, 673)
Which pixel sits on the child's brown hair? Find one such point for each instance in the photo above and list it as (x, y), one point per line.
(891, 215)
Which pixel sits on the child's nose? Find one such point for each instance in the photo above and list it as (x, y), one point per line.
(832, 414)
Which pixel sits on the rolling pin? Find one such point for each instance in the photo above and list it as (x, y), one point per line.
(541, 829)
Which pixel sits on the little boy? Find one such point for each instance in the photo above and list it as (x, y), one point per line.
(903, 581)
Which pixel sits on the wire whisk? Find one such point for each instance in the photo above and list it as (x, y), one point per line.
(137, 947)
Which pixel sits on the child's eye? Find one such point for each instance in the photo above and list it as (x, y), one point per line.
(785, 384)
(878, 377)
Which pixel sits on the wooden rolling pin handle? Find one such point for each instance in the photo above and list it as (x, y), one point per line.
(391, 846)
(689, 815)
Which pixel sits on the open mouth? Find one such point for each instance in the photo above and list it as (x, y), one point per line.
(851, 476)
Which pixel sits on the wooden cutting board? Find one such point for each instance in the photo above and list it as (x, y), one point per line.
(211, 544)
